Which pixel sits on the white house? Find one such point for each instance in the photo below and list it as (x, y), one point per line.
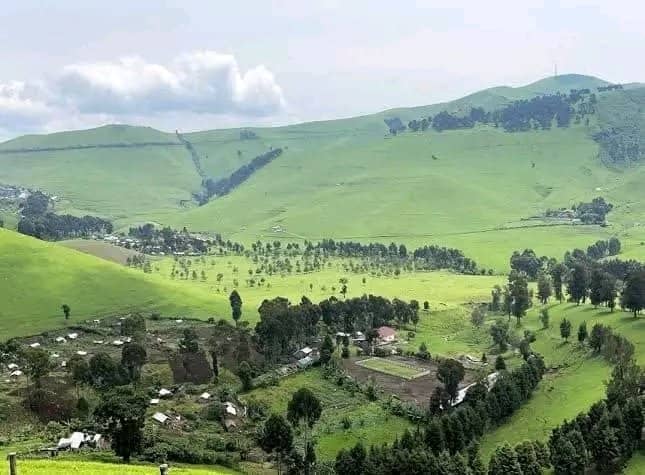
(160, 417)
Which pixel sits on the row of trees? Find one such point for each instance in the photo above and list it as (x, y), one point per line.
(449, 439)
(39, 221)
(224, 186)
(170, 241)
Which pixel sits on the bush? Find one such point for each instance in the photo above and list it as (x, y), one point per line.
(155, 317)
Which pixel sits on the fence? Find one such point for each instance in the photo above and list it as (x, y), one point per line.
(13, 465)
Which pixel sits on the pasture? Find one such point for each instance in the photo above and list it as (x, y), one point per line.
(78, 467)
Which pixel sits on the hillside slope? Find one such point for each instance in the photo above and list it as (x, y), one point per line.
(347, 179)
(36, 278)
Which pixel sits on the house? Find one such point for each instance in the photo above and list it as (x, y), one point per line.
(117, 343)
(81, 353)
(164, 392)
(72, 336)
(205, 396)
(491, 379)
(230, 408)
(305, 362)
(154, 402)
(34, 345)
(60, 339)
(358, 337)
(303, 353)
(12, 366)
(160, 417)
(16, 373)
(80, 439)
(386, 334)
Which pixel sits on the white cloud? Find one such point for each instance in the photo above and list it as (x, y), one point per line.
(203, 82)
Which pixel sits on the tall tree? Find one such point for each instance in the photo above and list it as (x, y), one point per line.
(122, 411)
(37, 364)
(246, 375)
(236, 306)
(544, 287)
(578, 282)
(304, 408)
(519, 290)
(451, 373)
(633, 297)
(133, 357)
(277, 437)
(504, 461)
(326, 350)
(582, 332)
(558, 273)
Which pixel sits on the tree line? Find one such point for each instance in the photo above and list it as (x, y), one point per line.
(40, 222)
(224, 186)
(447, 442)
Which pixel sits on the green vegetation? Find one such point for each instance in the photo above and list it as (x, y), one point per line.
(60, 467)
(370, 423)
(394, 368)
(44, 276)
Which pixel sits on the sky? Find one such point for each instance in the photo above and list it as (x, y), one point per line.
(204, 64)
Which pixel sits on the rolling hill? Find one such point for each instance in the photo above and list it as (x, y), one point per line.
(36, 278)
(347, 179)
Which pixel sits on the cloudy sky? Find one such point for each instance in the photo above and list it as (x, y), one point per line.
(198, 64)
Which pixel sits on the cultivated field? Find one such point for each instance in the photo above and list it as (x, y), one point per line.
(394, 367)
(65, 467)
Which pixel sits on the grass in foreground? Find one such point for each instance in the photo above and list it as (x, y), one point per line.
(55, 467)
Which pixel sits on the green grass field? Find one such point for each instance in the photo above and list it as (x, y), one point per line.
(370, 423)
(391, 367)
(55, 467)
(37, 278)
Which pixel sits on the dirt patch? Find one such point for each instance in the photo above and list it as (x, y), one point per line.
(101, 249)
(416, 390)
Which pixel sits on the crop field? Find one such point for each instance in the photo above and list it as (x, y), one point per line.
(393, 367)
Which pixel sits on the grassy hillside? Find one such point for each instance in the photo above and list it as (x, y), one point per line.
(68, 467)
(345, 179)
(37, 278)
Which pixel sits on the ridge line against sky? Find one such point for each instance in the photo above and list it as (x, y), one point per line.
(197, 65)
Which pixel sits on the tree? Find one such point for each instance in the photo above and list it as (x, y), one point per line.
(597, 337)
(625, 382)
(565, 329)
(478, 316)
(504, 461)
(351, 462)
(326, 350)
(104, 372)
(451, 372)
(500, 364)
(122, 411)
(578, 282)
(190, 342)
(414, 313)
(613, 246)
(496, 299)
(246, 375)
(236, 306)
(544, 318)
(558, 272)
(37, 364)
(66, 310)
(133, 357)
(277, 437)
(544, 287)
(426, 306)
(134, 325)
(527, 458)
(304, 408)
(582, 332)
(564, 457)
(633, 297)
(604, 445)
(499, 333)
(79, 370)
(519, 290)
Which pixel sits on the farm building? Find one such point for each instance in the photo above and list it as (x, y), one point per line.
(386, 334)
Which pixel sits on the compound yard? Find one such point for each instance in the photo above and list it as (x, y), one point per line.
(394, 367)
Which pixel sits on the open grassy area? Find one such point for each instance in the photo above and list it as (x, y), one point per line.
(370, 423)
(37, 278)
(391, 367)
(579, 380)
(65, 467)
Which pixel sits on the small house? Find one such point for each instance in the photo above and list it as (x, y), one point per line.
(60, 339)
(303, 352)
(16, 373)
(230, 408)
(154, 401)
(305, 362)
(12, 366)
(117, 343)
(160, 417)
(81, 353)
(164, 392)
(72, 336)
(34, 345)
(386, 334)
(205, 396)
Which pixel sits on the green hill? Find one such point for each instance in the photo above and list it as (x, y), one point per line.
(347, 179)
(38, 277)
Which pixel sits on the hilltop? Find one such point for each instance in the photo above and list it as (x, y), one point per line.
(349, 179)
